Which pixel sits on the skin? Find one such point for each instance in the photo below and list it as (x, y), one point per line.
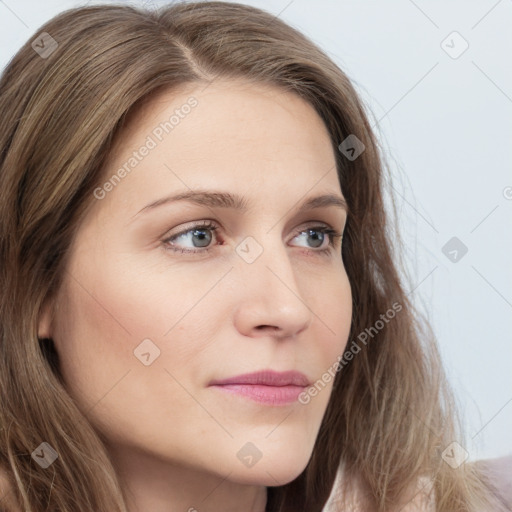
(173, 438)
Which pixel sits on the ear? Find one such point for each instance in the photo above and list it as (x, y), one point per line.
(44, 329)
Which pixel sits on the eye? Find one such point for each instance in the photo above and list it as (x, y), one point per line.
(326, 240)
(201, 235)
(198, 233)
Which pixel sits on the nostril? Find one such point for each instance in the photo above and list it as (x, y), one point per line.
(271, 327)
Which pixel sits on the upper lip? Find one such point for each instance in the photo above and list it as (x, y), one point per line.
(267, 378)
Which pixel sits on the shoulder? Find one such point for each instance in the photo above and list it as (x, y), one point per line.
(499, 473)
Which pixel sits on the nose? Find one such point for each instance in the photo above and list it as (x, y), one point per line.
(271, 302)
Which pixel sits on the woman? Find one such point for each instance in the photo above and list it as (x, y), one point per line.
(168, 341)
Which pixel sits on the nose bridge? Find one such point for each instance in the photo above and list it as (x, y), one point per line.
(266, 255)
(270, 289)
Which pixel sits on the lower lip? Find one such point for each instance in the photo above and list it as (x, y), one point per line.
(268, 395)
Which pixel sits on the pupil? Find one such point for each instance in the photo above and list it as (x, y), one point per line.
(200, 233)
(315, 236)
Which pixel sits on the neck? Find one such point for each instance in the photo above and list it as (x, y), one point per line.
(158, 485)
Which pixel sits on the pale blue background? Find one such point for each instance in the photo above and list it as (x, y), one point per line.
(446, 125)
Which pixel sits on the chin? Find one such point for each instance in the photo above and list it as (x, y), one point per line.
(273, 469)
(272, 476)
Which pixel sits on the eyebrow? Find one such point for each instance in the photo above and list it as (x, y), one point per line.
(215, 199)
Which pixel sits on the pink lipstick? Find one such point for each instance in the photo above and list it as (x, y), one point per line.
(267, 387)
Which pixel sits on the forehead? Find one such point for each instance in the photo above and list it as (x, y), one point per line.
(231, 133)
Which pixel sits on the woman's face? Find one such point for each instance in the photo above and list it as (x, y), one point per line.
(143, 326)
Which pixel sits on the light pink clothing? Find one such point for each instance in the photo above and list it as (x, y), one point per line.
(500, 473)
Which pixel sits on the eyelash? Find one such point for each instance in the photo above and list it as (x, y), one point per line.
(208, 225)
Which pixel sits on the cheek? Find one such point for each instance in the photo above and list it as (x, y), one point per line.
(335, 315)
(337, 311)
(92, 341)
(102, 321)
(112, 320)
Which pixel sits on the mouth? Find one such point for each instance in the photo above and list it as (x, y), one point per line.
(266, 387)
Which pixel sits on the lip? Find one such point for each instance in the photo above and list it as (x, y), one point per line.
(267, 378)
(266, 387)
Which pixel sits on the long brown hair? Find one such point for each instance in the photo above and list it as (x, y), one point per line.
(62, 105)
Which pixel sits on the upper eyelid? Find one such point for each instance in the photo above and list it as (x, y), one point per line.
(332, 217)
(205, 224)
